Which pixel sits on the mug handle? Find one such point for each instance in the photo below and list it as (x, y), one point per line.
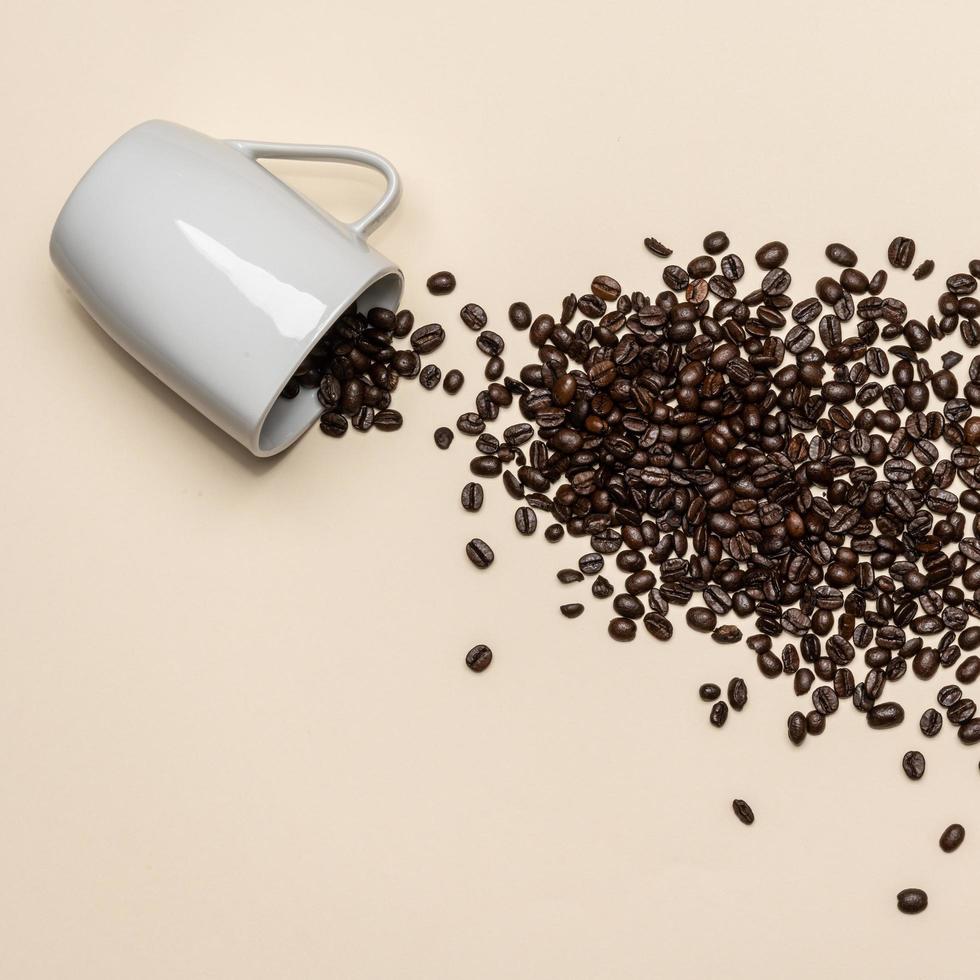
(335, 154)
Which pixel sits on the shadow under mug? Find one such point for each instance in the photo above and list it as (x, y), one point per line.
(217, 276)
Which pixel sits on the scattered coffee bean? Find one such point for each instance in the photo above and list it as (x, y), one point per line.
(480, 553)
(441, 283)
(622, 629)
(924, 270)
(911, 901)
(952, 837)
(478, 659)
(472, 497)
(738, 693)
(709, 692)
(473, 316)
(743, 811)
(657, 247)
(453, 381)
(901, 252)
(718, 714)
(525, 520)
(914, 764)
(572, 610)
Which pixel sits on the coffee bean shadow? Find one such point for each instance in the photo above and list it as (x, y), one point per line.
(187, 414)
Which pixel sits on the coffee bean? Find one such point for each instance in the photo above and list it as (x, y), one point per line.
(796, 725)
(490, 343)
(952, 837)
(815, 722)
(470, 424)
(572, 610)
(924, 270)
(726, 634)
(569, 575)
(453, 381)
(931, 723)
(622, 629)
(472, 497)
(772, 255)
(628, 605)
(914, 764)
(969, 732)
(840, 254)
(519, 315)
(718, 714)
(658, 626)
(657, 247)
(602, 588)
(825, 700)
(474, 316)
(441, 283)
(591, 563)
(738, 693)
(968, 670)
(743, 811)
(480, 553)
(732, 268)
(901, 252)
(553, 532)
(701, 619)
(888, 714)
(478, 659)
(716, 243)
(430, 376)
(443, 437)
(333, 424)
(485, 466)
(911, 901)
(709, 692)
(426, 339)
(525, 520)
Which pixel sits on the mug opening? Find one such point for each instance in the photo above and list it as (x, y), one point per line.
(288, 418)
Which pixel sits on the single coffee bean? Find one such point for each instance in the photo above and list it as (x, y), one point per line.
(931, 723)
(914, 764)
(715, 243)
(480, 553)
(815, 722)
(772, 255)
(441, 283)
(485, 466)
(333, 424)
(888, 714)
(519, 315)
(709, 692)
(443, 437)
(728, 633)
(472, 497)
(525, 520)
(591, 563)
(924, 270)
(622, 629)
(796, 725)
(901, 252)
(718, 714)
(490, 343)
(825, 700)
(969, 732)
(602, 588)
(952, 837)
(701, 619)
(568, 575)
(840, 254)
(658, 248)
(911, 901)
(429, 377)
(478, 659)
(474, 316)
(426, 339)
(572, 610)
(743, 811)
(658, 625)
(452, 382)
(738, 693)
(553, 532)
(968, 670)
(628, 605)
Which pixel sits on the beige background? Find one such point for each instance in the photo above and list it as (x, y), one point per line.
(236, 736)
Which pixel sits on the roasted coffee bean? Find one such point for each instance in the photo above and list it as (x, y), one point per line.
(657, 625)
(622, 629)
(525, 520)
(727, 634)
(840, 254)
(772, 255)
(426, 339)
(931, 723)
(470, 424)
(738, 693)
(911, 901)
(443, 437)
(888, 714)
(453, 381)
(471, 497)
(969, 732)
(924, 269)
(815, 723)
(718, 714)
(474, 316)
(658, 248)
(553, 532)
(796, 726)
(486, 466)
(952, 837)
(602, 588)
(901, 252)
(333, 424)
(743, 811)
(825, 700)
(968, 670)
(701, 619)
(572, 610)
(478, 659)
(430, 376)
(591, 563)
(716, 243)
(709, 692)
(480, 553)
(441, 283)
(568, 575)
(914, 764)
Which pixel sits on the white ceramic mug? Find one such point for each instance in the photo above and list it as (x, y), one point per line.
(216, 275)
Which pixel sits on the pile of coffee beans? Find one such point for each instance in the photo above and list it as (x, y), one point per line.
(801, 466)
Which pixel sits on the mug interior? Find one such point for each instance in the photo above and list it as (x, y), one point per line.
(288, 418)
